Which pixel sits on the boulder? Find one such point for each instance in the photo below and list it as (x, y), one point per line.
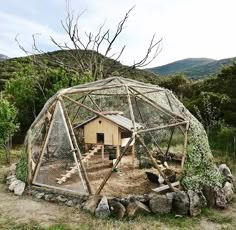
(19, 188)
(13, 184)
(125, 202)
(229, 191)
(50, 197)
(102, 209)
(220, 197)
(91, 204)
(209, 193)
(39, 195)
(70, 203)
(225, 171)
(117, 210)
(61, 199)
(135, 208)
(196, 202)
(180, 204)
(10, 179)
(161, 204)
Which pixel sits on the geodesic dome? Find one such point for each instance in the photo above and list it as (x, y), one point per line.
(55, 147)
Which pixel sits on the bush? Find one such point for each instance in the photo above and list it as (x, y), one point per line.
(222, 138)
(21, 167)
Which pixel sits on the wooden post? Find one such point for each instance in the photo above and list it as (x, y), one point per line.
(71, 144)
(45, 144)
(185, 145)
(130, 108)
(29, 157)
(91, 99)
(77, 112)
(102, 149)
(114, 166)
(153, 138)
(76, 147)
(163, 127)
(155, 164)
(86, 89)
(86, 147)
(171, 106)
(133, 121)
(156, 105)
(117, 151)
(133, 155)
(89, 109)
(168, 147)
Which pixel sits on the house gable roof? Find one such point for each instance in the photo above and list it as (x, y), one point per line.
(117, 119)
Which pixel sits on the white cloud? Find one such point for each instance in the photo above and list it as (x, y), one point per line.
(189, 28)
(11, 26)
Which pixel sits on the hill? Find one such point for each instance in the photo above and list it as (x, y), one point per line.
(192, 67)
(3, 57)
(52, 60)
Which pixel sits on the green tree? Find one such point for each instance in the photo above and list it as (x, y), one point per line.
(207, 107)
(32, 87)
(179, 84)
(8, 126)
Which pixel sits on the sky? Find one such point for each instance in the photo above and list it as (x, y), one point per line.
(188, 28)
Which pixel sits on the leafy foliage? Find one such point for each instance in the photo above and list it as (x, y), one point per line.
(8, 125)
(21, 168)
(30, 88)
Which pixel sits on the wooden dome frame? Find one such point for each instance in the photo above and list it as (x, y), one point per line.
(130, 87)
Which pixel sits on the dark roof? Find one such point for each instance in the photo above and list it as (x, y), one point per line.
(118, 119)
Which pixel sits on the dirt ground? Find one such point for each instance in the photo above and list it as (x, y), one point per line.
(25, 213)
(127, 180)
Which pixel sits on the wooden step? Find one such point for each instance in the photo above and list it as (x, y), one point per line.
(165, 187)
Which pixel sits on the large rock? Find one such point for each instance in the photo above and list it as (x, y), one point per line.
(196, 202)
(39, 195)
(229, 191)
(180, 203)
(19, 188)
(11, 179)
(209, 193)
(91, 204)
(117, 210)
(220, 197)
(50, 197)
(225, 171)
(135, 208)
(70, 203)
(161, 203)
(61, 199)
(13, 185)
(102, 209)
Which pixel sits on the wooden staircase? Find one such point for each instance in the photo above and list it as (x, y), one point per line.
(74, 169)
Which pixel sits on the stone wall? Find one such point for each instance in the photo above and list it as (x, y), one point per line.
(179, 202)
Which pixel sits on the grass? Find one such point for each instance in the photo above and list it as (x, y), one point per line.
(217, 216)
(15, 155)
(89, 223)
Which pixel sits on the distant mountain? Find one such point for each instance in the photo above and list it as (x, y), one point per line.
(192, 67)
(9, 66)
(3, 57)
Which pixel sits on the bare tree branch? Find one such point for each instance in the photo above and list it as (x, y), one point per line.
(86, 50)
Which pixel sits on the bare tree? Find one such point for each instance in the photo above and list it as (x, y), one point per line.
(86, 48)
